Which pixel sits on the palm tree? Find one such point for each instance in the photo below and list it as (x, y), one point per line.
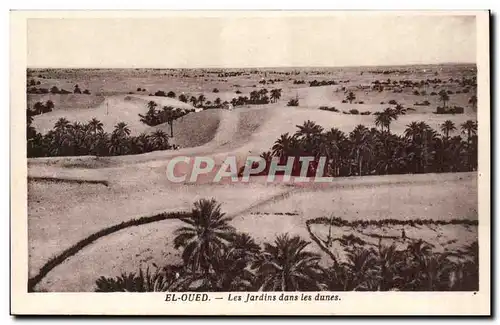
(275, 95)
(469, 127)
(399, 110)
(121, 130)
(206, 234)
(443, 96)
(310, 135)
(193, 101)
(61, 125)
(151, 105)
(141, 143)
(331, 146)
(286, 266)
(361, 263)
(201, 99)
(383, 121)
(362, 146)
(350, 97)
(285, 146)
(95, 126)
(159, 140)
(473, 101)
(447, 127)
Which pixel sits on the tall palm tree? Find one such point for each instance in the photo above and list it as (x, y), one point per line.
(447, 127)
(95, 126)
(287, 266)
(331, 147)
(444, 97)
(362, 145)
(310, 135)
(285, 146)
(207, 233)
(383, 121)
(275, 95)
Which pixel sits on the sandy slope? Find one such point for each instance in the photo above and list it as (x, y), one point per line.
(138, 186)
(114, 109)
(255, 208)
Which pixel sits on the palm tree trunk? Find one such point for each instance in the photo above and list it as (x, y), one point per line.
(171, 128)
(360, 160)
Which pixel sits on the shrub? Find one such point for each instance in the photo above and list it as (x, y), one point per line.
(366, 113)
(215, 90)
(393, 102)
(171, 94)
(433, 93)
(160, 93)
(138, 89)
(354, 111)
(54, 90)
(86, 92)
(361, 102)
(344, 101)
(238, 92)
(293, 102)
(449, 92)
(330, 109)
(415, 92)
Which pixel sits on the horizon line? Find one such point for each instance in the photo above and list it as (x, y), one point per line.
(266, 67)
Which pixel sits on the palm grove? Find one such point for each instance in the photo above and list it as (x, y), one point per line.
(377, 151)
(80, 139)
(216, 257)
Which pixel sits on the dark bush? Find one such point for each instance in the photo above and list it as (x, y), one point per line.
(393, 102)
(293, 102)
(160, 93)
(215, 90)
(354, 111)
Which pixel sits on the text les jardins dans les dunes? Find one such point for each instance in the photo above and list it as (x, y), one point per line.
(250, 297)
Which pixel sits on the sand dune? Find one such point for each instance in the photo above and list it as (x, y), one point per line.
(113, 110)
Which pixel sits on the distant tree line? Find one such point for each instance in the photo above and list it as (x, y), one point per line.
(167, 114)
(55, 90)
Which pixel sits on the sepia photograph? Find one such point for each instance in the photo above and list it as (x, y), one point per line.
(251, 157)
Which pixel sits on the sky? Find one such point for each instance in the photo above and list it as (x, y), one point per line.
(355, 39)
